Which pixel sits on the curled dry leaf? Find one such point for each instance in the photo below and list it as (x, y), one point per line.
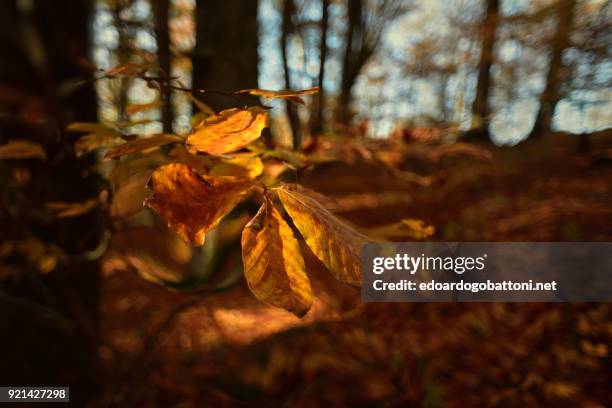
(281, 94)
(273, 263)
(247, 165)
(22, 149)
(193, 204)
(334, 242)
(228, 131)
(139, 145)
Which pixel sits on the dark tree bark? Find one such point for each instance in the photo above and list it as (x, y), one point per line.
(225, 56)
(355, 55)
(316, 124)
(161, 9)
(480, 107)
(50, 322)
(291, 109)
(554, 76)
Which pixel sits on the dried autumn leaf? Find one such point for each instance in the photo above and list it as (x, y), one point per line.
(246, 165)
(273, 264)
(416, 229)
(93, 141)
(138, 145)
(193, 204)
(141, 107)
(334, 242)
(22, 149)
(281, 94)
(228, 131)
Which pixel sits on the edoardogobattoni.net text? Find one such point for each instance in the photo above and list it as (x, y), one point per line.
(474, 287)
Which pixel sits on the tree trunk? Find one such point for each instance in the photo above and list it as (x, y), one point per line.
(480, 107)
(50, 322)
(316, 124)
(355, 55)
(292, 113)
(161, 9)
(225, 56)
(554, 76)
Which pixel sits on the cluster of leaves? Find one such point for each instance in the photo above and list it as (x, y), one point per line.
(194, 203)
(208, 172)
(217, 166)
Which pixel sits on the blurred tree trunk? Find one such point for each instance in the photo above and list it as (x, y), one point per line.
(554, 76)
(316, 123)
(225, 56)
(480, 107)
(356, 54)
(161, 10)
(44, 63)
(292, 113)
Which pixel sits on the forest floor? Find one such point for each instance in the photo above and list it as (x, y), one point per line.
(170, 349)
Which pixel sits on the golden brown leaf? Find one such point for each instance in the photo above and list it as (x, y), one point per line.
(141, 144)
(273, 263)
(193, 204)
(22, 149)
(246, 165)
(281, 94)
(334, 242)
(228, 131)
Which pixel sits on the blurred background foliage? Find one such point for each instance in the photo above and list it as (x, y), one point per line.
(418, 106)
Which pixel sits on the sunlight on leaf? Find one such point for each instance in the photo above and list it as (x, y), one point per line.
(229, 131)
(193, 204)
(334, 242)
(273, 263)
